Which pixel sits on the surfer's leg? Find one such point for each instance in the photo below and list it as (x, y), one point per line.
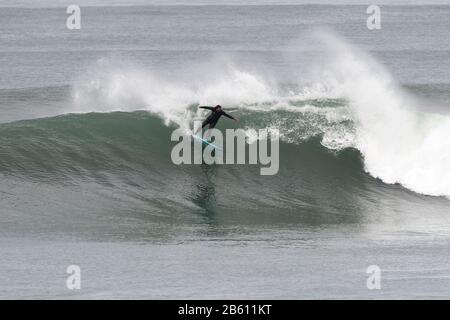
(208, 132)
(213, 123)
(204, 123)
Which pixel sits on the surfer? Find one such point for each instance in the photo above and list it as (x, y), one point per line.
(214, 116)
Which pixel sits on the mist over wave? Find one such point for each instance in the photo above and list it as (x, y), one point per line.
(346, 98)
(399, 143)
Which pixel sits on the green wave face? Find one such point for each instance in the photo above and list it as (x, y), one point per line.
(120, 162)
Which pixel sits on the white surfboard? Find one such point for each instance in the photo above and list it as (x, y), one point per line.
(206, 142)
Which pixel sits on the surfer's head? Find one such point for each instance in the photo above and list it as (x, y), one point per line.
(217, 108)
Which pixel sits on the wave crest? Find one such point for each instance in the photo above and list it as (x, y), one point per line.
(399, 143)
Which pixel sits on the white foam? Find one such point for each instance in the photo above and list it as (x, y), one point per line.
(108, 88)
(399, 143)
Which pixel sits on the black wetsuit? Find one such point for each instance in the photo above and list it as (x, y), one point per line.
(214, 117)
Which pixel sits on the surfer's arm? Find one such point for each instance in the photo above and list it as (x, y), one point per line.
(205, 107)
(228, 116)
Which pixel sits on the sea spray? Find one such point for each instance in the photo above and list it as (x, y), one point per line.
(399, 143)
(373, 114)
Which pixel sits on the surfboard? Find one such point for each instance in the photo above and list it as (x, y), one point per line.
(206, 142)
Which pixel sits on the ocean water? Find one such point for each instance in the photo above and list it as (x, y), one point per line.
(86, 177)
